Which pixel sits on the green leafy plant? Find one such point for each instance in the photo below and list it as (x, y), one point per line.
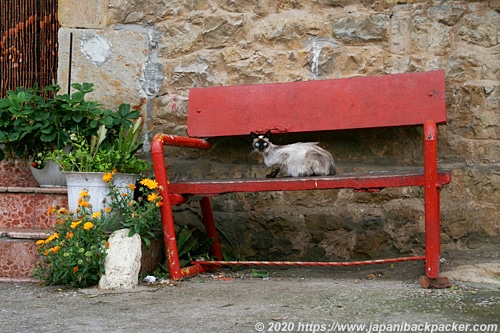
(74, 253)
(192, 244)
(34, 122)
(99, 154)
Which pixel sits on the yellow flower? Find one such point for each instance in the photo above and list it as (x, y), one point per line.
(75, 224)
(131, 186)
(149, 183)
(40, 242)
(84, 194)
(96, 215)
(62, 210)
(153, 197)
(52, 237)
(88, 225)
(107, 177)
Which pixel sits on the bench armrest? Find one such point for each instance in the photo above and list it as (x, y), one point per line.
(160, 169)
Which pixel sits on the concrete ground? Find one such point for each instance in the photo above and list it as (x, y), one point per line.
(368, 299)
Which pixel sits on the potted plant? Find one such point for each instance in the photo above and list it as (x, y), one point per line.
(88, 158)
(35, 122)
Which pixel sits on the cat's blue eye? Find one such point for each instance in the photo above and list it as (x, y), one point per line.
(265, 144)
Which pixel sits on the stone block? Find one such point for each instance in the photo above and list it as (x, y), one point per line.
(114, 60)
(123, 261)
(89, 14)
(360, 29)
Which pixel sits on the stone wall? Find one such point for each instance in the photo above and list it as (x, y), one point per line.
(150, 52)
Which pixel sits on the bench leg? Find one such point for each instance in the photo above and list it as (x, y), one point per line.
(174, 268)
(431, 202)
(211, 230)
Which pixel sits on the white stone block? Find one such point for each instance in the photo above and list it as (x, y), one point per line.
(123, 262)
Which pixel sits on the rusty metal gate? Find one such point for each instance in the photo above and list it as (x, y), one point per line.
(28, 43)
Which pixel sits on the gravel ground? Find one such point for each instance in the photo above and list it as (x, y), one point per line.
(383, 298)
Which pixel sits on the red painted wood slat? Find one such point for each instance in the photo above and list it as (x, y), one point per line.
(370, 180)
(359, 102)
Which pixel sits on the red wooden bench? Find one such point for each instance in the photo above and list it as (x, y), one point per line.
(326, 105)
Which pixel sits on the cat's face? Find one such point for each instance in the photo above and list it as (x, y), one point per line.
(261, 143)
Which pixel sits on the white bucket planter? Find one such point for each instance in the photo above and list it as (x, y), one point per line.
(98, 191)
(49, 176)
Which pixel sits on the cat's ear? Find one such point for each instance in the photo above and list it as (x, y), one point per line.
(253, 135)
(268, 134)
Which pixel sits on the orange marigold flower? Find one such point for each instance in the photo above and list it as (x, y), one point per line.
(60, 221)
(75, 269)
(108, 209)
(84, 204)
(115, 171)
(84, 194)
(51, 210)
(88, 225)
(75, 224)
(131, 186)
(69, 235)
(55, 249)
(159, 204)
(107, 177)
(153, 197)
(107, 245)
(62, 210)
(96, 215)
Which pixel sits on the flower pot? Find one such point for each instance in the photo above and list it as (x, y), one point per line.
(49, 176)
(98, 191)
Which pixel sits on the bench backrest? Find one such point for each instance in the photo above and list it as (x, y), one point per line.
(359, 102)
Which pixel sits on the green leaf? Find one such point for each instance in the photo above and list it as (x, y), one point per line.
(21, 97)
(259, 273)
(77, 117)
(48, 137)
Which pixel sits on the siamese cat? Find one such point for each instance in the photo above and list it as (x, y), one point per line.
(299, 159)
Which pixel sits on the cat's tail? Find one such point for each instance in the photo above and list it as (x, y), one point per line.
(333, 169)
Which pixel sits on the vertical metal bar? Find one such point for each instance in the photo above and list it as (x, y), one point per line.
(69, 61)
(174, 269)
(431, 201)
(211, 230)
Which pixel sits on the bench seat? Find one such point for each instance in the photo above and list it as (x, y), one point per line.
(369, 181)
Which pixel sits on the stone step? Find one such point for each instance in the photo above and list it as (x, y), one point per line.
(26, 207)
(23, 221)
(18, 253)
